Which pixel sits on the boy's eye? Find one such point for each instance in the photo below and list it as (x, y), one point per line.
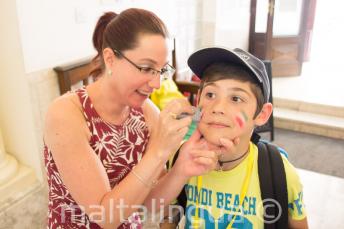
(237, 99)
(210, 95)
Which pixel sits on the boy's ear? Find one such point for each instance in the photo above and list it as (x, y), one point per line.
(264, 115)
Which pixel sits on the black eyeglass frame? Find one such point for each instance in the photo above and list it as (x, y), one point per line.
(154, 72)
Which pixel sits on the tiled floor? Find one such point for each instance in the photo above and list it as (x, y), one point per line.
(27, 213)
(324, 198)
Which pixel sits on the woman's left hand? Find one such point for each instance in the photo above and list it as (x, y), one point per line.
(196, 156)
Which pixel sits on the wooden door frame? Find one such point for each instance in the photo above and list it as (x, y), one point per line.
(266, 40)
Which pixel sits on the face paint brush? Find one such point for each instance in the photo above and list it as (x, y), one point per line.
(195, 119)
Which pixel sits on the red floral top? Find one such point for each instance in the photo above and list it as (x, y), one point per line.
(118, 147)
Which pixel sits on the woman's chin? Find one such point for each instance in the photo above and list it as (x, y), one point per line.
(137, 103)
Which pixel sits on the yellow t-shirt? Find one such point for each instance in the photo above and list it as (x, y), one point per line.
(220, 192)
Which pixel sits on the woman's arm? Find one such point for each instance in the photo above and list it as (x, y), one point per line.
(67, 136)
(195, 158)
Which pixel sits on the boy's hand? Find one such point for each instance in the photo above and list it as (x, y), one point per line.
(196, 156)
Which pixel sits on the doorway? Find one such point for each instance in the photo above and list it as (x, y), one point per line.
(279, 31)
(322, 78)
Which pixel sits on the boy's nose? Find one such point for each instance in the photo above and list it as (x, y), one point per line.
(218, 107)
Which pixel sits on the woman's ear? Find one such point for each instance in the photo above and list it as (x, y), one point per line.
(109, 57)
(264, 115)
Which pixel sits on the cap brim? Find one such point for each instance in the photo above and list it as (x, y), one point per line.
(200, 60)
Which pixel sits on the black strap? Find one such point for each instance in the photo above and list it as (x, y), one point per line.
(273, 185)
(265, 179)
(280, 185)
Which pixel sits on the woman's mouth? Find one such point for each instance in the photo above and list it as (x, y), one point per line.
(143, 93)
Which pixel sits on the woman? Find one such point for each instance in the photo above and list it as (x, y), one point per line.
(106, 144)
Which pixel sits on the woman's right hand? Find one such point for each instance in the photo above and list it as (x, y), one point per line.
(169, 132)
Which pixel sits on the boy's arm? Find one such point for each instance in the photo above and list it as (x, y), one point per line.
(297, 224)
(297, 214)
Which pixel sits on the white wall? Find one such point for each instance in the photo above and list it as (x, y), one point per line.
(56, 32)
(16, 116)
(232, 23)
(42, 34)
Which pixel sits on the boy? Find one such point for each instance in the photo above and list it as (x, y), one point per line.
(234, 95)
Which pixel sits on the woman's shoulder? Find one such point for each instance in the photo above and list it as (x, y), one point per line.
(65, 114)
(65, 105)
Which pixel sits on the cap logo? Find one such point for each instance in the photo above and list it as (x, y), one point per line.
(243, 56)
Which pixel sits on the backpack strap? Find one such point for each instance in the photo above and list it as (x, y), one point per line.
(265, 179)
(273, 185)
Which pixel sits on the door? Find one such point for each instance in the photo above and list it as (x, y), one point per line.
(278, 29)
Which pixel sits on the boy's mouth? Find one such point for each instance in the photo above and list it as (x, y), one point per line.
(218, 125)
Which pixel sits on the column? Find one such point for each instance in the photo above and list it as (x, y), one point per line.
(8, 164)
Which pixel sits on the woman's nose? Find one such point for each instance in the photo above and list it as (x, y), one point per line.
(155, 82)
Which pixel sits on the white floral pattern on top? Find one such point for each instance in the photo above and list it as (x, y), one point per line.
(119, 148)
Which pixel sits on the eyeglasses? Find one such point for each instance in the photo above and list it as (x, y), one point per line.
(164, 73)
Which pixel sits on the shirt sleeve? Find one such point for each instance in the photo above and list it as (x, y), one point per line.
(296, 206)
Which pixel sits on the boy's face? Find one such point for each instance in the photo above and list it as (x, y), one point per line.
(228, 107)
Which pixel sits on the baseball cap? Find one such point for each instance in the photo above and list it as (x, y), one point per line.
(202, 59)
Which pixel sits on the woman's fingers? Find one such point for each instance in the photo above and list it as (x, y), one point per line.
(196, 136)
(211, 155)
(228, 144)
(178, 106)
(169, 131)
(208, 161)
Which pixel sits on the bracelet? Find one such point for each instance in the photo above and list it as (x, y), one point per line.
(175, 217)
(151, 185)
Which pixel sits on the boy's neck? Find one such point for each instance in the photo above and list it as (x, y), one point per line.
(229, 162)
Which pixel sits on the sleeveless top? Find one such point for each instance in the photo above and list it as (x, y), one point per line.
(118, 147)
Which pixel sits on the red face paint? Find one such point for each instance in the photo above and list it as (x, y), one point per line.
(239, 121)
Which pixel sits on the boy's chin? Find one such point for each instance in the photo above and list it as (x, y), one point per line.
(215, 139)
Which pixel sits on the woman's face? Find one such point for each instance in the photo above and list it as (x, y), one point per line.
(135, 86)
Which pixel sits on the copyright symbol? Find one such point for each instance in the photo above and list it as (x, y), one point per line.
(272, 211)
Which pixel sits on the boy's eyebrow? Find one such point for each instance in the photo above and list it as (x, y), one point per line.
(229, 89)
(238, 89)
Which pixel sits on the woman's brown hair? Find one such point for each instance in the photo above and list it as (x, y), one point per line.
(122, 31)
